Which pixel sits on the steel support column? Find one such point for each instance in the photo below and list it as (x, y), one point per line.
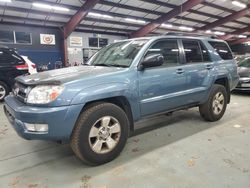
(78, 17)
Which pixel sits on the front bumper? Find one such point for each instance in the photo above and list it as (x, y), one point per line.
(243, 84)
(60, 120)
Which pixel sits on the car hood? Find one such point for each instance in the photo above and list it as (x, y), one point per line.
(65, 75)
(244, 71)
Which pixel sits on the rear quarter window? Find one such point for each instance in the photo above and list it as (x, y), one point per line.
(222, 49)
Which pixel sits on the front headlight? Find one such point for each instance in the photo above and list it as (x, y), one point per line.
(44, 94)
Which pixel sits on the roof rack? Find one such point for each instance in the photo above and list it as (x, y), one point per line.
(192, 34)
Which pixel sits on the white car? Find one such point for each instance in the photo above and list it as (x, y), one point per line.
(31, 66)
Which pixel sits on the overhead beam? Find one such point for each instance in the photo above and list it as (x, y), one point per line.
(231, 17)
(78, 17)
(198, 12)
(223, 8)
(165, 17)
(240, 41)
(66, 16)
(237, 32)
(169, 5)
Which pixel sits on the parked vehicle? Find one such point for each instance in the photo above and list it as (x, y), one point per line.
(244, 73)
(94, 107)
(31, 65)
(11, 66)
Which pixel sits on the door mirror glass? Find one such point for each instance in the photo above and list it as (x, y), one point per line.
(153, 60)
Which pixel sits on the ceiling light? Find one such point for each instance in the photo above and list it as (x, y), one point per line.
(50, 7)
(134, 20)
(239, 4)
(99, 15)
(242, 36)
(186, 28)
(7, 1)
(60, 8)
(219, 33)
(208, 31)
(167, 25)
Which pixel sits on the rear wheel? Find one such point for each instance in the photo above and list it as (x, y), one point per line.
(4, 90)
(100, 133)
(215, 107)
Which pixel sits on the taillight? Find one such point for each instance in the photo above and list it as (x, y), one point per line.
(22, 67)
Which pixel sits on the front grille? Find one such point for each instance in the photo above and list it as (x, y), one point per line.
(20, 91)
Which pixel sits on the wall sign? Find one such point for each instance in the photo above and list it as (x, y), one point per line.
(47, 39)
(75, 41)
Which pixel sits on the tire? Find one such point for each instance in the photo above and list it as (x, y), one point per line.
(88, 133)
(4, 91)
(214, 108)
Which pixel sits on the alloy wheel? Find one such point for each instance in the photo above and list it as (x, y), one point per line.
(104, 135)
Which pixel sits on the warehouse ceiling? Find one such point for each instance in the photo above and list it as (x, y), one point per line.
(227, 18)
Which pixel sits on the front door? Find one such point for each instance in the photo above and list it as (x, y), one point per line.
(161, 88)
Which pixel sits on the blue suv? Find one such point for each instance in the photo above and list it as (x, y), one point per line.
(94, 107)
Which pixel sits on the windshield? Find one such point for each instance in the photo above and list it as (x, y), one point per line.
(245, 63)
(119, 54)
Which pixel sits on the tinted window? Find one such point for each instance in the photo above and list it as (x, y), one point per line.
(222, 49)
(245, 63)
(10, 57)
(168, 49)
(23, 38)
(205, 53)
(93, 42)
(6, 36)
(103, 42)
(192, 51)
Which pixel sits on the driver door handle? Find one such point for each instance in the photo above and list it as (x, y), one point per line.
(179, 71)
(209, 67)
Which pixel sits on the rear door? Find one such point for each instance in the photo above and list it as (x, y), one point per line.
(198, 68)
(162, 88)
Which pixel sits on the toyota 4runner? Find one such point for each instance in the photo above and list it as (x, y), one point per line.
(94, 107)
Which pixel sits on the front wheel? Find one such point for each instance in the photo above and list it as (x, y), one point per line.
(100, 133)
(215, 106)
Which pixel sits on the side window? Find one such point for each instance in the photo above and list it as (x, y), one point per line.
(222, 49)
(205, 54)
(192, 51)
(169, 50)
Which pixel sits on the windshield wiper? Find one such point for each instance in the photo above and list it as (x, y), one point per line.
(111, 65)
(102, 64)
(116, 65)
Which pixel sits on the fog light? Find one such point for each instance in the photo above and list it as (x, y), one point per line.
(37, 127)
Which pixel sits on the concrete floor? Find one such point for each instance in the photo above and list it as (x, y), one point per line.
(176, 151)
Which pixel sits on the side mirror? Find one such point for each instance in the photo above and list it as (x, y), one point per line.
(153, 60)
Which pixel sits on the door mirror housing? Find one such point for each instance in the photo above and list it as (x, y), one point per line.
(153, 60)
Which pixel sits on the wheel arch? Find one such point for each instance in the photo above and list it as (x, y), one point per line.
(120, 101)
(224, 82)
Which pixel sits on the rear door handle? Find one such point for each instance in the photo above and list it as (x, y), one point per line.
(179, 71)
(208, 67)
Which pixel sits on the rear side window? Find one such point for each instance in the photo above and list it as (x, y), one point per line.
(192, 51)
(222, 49)
(205, 53)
